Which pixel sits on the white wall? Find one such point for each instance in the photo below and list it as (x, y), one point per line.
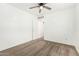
(75, 39)
(15, 26)
(59, 26)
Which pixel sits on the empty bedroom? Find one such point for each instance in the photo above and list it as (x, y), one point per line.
(39, 29)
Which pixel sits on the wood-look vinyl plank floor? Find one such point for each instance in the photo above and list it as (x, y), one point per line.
(45, 50)
(40, 47)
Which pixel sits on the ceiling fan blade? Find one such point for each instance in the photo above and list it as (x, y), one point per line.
(33, 7)
(47, 7)
(39, 10)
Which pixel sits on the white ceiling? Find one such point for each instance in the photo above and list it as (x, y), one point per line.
(35, 11)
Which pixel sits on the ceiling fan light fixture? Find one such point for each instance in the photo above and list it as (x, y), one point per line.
(41, 7)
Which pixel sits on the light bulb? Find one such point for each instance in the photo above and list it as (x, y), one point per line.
(41, 7)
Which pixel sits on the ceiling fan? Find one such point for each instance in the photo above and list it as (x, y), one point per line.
(41, 6)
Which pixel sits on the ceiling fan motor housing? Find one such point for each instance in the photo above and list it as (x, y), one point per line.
(41, 4)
